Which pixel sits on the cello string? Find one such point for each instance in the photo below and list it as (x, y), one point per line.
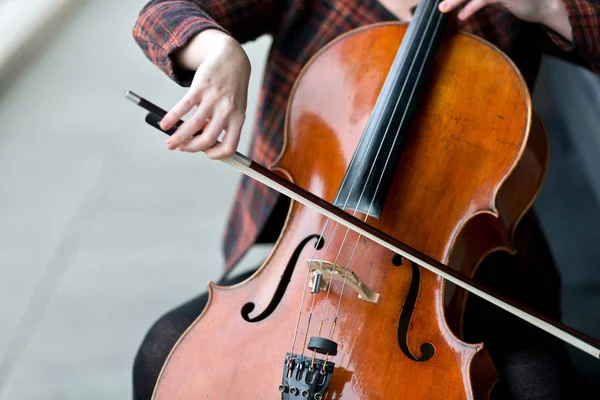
(314, 252)
(387, 130)
(321, 238)
(323, 258)
(315, 249)
(333, 234)
(331, 237)
(440, 16)
(345, 236)
(420, 45)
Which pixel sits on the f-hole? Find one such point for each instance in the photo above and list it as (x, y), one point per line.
(283, 283)
(427, 349)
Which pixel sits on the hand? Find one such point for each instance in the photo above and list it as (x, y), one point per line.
(551, 13)
(219, 90)
(527, 10)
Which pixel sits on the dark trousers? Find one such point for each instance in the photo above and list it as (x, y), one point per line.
(532, 363)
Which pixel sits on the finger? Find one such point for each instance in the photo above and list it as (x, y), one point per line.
(222, 113)
(210, 135)
(472, 7)
(196, 123)
(180, 109)
(449, 5)
(229, 144)
(184, 142)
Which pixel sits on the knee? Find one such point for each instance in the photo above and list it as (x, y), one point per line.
(535, 373)
(153, 352)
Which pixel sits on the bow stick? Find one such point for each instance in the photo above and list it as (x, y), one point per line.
(265, 176)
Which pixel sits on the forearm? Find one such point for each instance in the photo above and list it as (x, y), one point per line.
(165, 29)
(556, 17)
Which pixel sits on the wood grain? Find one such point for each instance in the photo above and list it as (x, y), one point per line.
(458, 171)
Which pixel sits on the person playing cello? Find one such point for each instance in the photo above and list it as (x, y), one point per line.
(197, 43)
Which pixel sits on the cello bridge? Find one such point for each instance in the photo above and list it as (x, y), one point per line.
(321, 271)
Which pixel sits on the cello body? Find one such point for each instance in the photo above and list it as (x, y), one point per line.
(472, 165)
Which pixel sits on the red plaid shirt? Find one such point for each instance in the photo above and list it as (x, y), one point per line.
(299, 29)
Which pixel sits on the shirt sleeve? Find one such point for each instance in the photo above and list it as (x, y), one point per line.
(584, 49)
(165, 26)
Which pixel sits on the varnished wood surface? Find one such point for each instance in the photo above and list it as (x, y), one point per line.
(485, 234)
(467, 141)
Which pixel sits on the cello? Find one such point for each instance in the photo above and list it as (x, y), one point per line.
(432, 140)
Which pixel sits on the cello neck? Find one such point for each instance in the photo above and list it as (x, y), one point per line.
(381, 144)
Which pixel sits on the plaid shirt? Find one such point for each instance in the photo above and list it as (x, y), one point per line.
(299, 29)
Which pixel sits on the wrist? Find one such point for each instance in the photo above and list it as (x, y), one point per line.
(202, 46)
(554, 15)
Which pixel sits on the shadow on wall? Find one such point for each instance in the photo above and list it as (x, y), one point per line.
(568, 100)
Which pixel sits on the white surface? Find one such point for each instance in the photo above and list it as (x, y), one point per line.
(101, 228)
(21, 21)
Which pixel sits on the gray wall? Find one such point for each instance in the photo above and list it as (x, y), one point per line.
(568, 98)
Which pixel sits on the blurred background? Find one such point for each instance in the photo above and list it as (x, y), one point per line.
(102, 230)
